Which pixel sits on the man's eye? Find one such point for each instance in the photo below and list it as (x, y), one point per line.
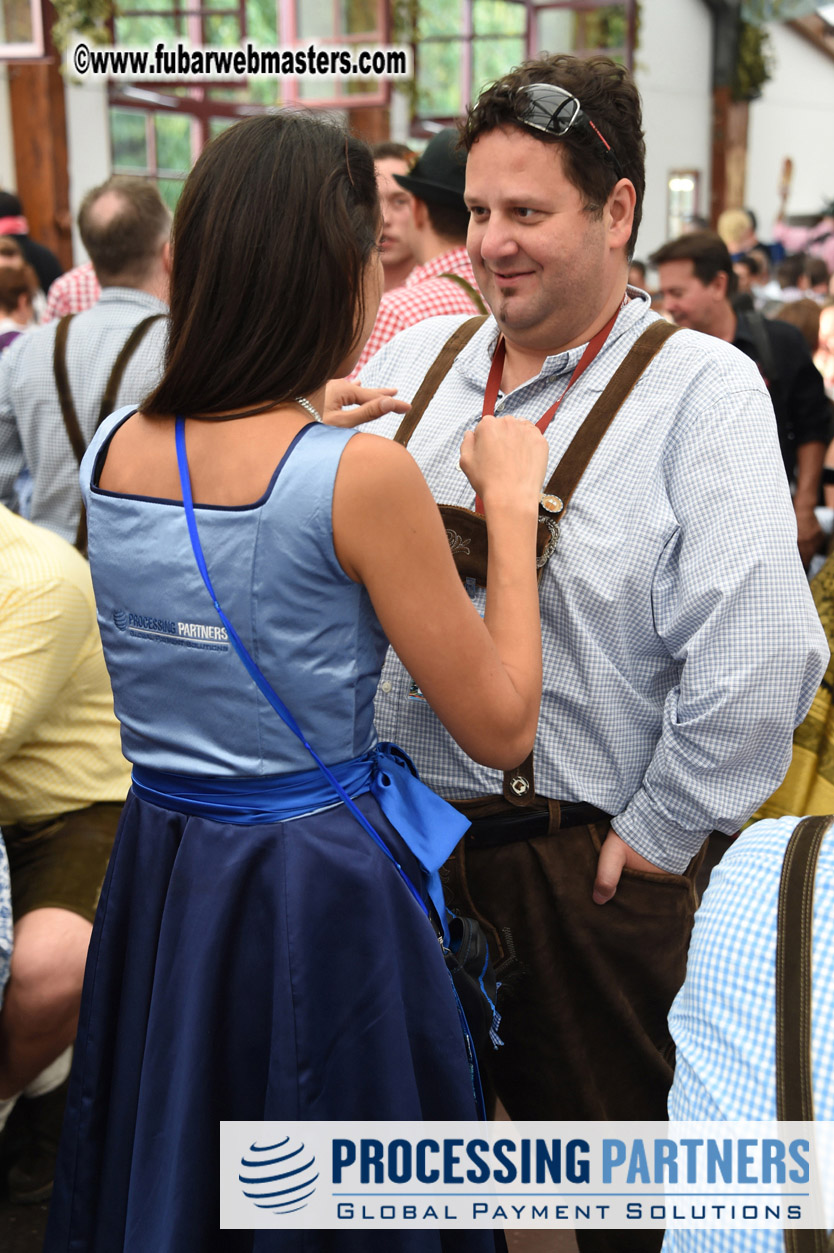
(477, 211)
(523, 212)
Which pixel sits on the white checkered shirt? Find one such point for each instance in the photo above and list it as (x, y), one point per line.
(723, 1018)
(31, 427)
(681, 643)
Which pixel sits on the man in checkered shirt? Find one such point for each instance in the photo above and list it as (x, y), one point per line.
(680, 642)
(125, 227)
(443, 280)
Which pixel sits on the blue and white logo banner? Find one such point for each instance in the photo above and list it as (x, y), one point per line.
(329, 1175)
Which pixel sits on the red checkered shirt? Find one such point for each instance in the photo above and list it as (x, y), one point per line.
(423, 295)
(73, 292)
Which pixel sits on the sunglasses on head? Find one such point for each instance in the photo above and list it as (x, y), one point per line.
(545, 107)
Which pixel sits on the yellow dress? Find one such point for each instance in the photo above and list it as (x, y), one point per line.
(808, 787)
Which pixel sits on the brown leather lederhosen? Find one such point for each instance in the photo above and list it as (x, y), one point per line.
(467, 530)
(108, 400)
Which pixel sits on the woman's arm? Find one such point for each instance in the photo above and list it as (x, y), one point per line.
(482, 678)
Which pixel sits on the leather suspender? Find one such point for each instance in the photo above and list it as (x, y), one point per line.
(519, 784)
(473, 295)
(435, 376)
(108, 400)
(794, 939)
(568, 472)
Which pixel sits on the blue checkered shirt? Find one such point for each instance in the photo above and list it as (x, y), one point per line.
(681, 643)
(31, 427)
(723, 1018)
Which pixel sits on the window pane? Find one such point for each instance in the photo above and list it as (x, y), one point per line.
(316, 19)
(173, 141)
(261, 16)
(17, 24)
(169, 190)
(223, 32)
(497, 17)
(143, 32)
(606, 28)
(440, 17)
(158, 6)
(358, 16)
(219, 124)
(130, 144)
(438, 76)
(555, 30)
(492, 58)
(265, 91)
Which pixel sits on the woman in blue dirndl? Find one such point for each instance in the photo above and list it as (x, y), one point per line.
(257, 955)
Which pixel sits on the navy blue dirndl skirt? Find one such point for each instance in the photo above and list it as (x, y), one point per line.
(274, 972)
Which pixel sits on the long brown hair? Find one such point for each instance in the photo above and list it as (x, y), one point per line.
(274, 229)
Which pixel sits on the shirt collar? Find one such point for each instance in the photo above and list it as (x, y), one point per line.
(455, 260)
(476, 357)
(131, 296)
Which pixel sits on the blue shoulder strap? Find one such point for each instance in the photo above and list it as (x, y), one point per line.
(256, 674)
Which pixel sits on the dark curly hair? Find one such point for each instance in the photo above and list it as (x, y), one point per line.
(608, 98)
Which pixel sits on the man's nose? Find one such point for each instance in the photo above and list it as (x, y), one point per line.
(497, 239)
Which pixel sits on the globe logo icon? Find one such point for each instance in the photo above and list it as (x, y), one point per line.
(279, 1177)
(120, 618)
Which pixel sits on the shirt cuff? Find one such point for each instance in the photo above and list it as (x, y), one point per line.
(652, 835)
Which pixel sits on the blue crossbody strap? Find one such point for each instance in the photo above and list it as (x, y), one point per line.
(258, 677)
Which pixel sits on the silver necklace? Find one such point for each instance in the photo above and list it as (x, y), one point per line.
(305, 404)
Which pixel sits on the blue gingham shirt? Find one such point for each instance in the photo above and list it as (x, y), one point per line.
(681, 644)
(723, 1018)
(31, 426)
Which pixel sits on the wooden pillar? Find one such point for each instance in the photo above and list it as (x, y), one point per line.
(372, 123)
(729, 153)
(39, 132)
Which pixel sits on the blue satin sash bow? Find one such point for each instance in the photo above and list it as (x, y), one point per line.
(429, 825)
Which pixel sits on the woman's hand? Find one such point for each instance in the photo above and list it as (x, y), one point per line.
(505, 460)
(372, 402)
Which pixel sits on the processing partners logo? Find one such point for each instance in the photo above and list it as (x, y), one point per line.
(206, 636)
(280, 1177)
(377, 1176)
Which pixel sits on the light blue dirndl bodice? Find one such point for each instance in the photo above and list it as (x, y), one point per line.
(181, 695)
(201, 736)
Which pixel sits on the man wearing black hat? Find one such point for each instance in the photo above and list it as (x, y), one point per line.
(443, 280)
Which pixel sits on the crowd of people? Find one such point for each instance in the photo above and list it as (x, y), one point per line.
(345, 713)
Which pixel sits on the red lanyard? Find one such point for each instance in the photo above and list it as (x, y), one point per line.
(497, 369)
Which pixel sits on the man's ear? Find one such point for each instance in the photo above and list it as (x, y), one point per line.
(719, 284)
(420, 212)
(620, 210)
(167, 256)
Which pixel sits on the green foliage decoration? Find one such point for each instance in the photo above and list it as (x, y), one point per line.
(87, 19)
(754, 61)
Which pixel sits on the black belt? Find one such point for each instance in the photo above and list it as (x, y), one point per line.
(527, 824)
